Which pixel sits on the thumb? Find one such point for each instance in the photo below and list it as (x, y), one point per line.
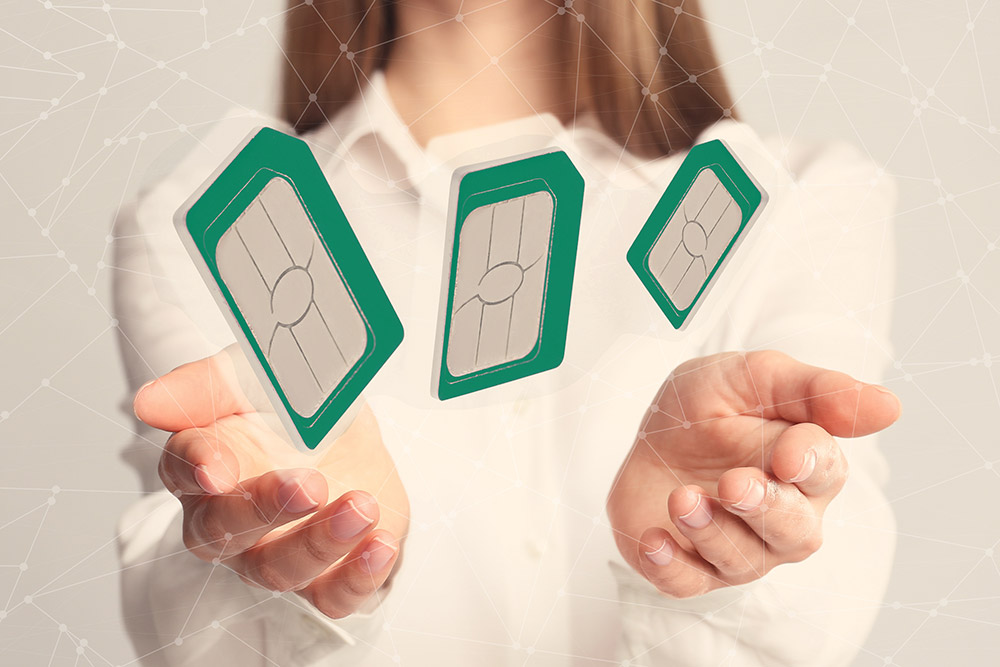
(797, 392)
(195, 394)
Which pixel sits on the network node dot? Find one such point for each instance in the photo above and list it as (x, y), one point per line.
(581, 18)
(686, 424)
(312, 97)
(663, 50)
(459, 18)
(350, 55)
(692, 79)
(47, 55)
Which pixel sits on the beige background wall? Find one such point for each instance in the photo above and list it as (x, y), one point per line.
(913, 83)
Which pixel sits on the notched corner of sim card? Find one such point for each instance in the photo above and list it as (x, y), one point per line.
(704, 215)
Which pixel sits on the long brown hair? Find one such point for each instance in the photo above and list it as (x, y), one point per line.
(647, 68)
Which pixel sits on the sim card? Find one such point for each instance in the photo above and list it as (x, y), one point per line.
(286, 269)
(508, 276)
(704, 214)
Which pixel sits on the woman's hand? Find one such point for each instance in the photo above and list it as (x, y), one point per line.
(256, 505)
(734, 466)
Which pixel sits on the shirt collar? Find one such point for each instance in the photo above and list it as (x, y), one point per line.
(369, 135)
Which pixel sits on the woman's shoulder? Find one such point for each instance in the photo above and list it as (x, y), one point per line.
(773, 159)
(190, 161)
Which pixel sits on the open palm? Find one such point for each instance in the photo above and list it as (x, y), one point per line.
(262, 508)
(734, 465)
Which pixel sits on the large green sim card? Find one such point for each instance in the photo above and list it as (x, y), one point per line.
(286, 269)
(508, 276)
(704, 214)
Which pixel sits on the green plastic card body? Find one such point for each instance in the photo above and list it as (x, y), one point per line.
(695, 228)
(287, 271)
(510, 256)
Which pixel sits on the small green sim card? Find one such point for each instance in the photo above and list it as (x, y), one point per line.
(508, 276)
(705, 212)
(286, 269)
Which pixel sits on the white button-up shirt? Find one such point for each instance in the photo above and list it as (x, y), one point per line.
(510, 558)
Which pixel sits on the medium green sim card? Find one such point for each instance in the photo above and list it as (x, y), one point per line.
(508, 276)
(286, 269)
(704, 214)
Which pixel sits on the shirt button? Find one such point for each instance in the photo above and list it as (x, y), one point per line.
(535, 548)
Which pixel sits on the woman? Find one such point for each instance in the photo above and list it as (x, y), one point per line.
(497, 499)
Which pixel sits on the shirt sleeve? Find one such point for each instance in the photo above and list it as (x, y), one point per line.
(180, 610)
(817, 284)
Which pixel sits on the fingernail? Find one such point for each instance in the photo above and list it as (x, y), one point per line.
(137, 395)
(880, 388)
(808, 465)
(204, 479)
(348, 522)
(700, 515)
(377, 555)
(661, 555)
(752, 497)
(293, 498)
